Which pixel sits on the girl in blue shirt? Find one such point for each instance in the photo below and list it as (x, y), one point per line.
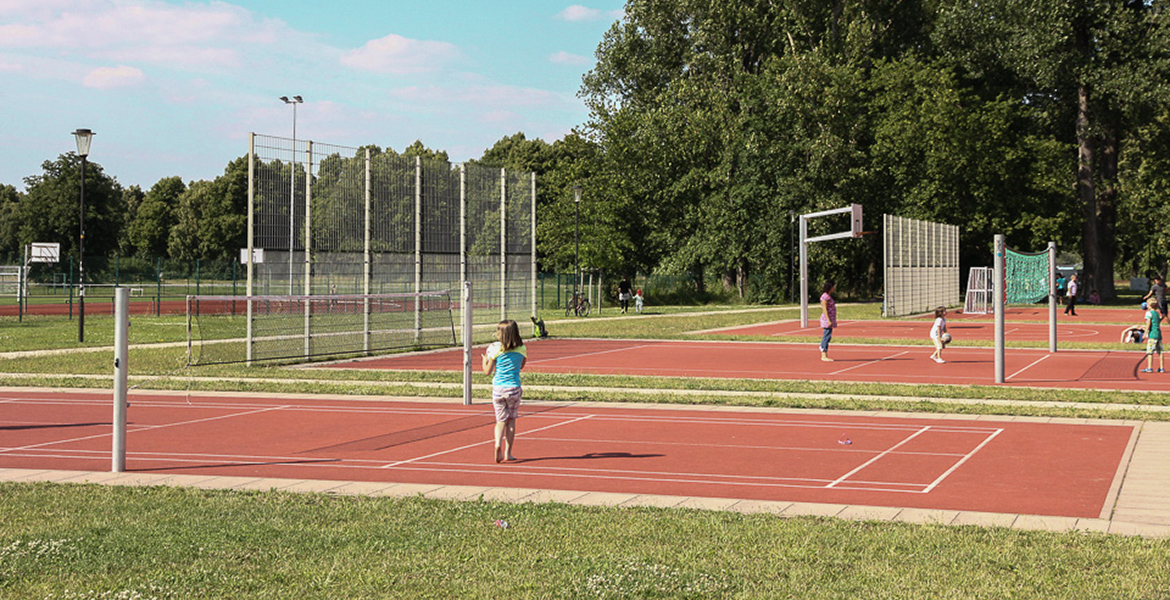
(503, 361)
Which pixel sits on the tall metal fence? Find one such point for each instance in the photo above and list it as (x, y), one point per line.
(335, 219)
(921, 266)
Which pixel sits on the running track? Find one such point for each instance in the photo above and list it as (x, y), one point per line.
(1024, 367)
(934, 463)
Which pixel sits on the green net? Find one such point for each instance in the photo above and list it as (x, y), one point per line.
(1026, 277)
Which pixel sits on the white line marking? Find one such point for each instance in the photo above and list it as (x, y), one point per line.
(410, 460)
(574, 356)
(879, 457)
(142, 428)
(1034, 363)
(961, 461)
(872, 362)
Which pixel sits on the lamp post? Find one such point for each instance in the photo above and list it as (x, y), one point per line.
(292, 191)
(83, 136)
(577, 236)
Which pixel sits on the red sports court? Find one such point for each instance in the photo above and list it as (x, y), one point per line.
(1024, 367)
(937, 463)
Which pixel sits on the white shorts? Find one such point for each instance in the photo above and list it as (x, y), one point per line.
(506, 401)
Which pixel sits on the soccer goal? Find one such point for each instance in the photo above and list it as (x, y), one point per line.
(978, 301)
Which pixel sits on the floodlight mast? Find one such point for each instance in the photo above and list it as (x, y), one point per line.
(855, 230)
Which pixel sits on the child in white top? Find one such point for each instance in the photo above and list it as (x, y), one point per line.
(936, 333)
(638, 301)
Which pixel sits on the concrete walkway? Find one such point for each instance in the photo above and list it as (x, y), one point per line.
(1139, 500)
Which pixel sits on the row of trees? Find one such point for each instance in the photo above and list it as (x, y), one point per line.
(714, 122)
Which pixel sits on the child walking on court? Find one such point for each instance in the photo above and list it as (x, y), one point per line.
(828, 318)
(1153, 339)
(938, 334)
(503, 361)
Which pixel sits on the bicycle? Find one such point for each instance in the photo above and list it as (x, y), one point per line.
(578, 306)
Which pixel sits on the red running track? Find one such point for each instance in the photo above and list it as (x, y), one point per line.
(933, 463)
(1083, 369)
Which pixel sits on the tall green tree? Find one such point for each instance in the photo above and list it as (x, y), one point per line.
(149, 230)
(211, 217)
(1091, 69)
(50, 210)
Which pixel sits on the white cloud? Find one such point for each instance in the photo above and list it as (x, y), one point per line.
(577, 12)
(104, 78)
(567, 58)
(398, 55)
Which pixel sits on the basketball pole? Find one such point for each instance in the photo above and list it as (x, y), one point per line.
(998, 289)
(121, 367)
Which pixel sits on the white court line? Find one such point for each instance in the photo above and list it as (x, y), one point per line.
(403, 462)
(623, 418)
(879, 457)
(736, 446)
(574, 356)
(872, 362)
(1034, 363)
(963, 460)
(141, 428)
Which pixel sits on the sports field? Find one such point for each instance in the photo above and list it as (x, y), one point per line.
(1028, 460)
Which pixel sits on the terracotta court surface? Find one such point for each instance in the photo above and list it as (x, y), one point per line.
(960, 329)
(1084, 369)
(1059, 469)
(1085, 314)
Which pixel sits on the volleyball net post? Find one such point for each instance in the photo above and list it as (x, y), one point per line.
(1022, 278)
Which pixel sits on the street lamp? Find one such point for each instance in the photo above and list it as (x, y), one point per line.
(577, 235)
(83, 136)
(292, 191)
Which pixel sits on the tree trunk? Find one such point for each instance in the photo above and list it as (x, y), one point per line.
(1097, 206)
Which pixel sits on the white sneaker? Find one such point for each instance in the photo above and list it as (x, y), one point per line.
(939, 360)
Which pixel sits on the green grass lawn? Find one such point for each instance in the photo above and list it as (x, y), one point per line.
(90, 542)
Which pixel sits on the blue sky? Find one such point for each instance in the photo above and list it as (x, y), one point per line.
(174, 87)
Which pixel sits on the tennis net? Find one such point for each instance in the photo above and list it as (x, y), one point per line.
(245, 329)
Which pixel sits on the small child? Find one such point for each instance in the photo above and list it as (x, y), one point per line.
(638, 301)
(937, 331)
(503, 360)
(1153, 339)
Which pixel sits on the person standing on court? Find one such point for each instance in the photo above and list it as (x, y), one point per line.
(937, 331)
(1073, 288)
(1158, 294)
(503, 360)
(1061, 282)
(828, 317)
(1153, 340)
(624, 294)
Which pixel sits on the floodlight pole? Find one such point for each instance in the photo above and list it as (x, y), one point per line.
(83, 137)
(292, 191)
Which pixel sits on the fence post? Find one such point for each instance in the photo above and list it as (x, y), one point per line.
(70, 288)
(158, 287)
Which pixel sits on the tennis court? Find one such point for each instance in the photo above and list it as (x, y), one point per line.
(1008, 466)
(1024, 367)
